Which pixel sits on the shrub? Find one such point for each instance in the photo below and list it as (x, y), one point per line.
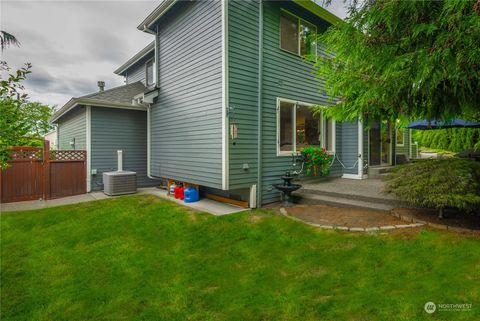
(454, 139)
(438, 183)
(317, 160)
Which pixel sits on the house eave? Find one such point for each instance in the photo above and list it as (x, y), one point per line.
(74, 102)
(136, 58)
(156, 14)
(318, 11)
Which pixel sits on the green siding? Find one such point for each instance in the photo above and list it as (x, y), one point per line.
(285, 75)
(243, 84)
(73, 126)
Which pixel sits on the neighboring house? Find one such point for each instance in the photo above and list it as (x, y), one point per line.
(227, 94)
(51, 136)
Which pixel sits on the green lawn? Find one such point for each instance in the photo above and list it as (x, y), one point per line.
(142, 258)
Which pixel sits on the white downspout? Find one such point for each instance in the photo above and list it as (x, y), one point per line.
(119, 160)
(360, 149)
(258, 187)
(149, 143)
(149, 130)
(88, 117)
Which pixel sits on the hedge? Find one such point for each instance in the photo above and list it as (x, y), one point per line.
(452, 139)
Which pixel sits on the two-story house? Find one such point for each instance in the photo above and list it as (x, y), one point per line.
(221, 98)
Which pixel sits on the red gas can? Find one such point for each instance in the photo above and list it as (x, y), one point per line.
(181, 192)
(175, 191)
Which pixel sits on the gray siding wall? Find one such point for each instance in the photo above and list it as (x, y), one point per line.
(116, 129)
(72, 126)
(138, 71)
(186, 120)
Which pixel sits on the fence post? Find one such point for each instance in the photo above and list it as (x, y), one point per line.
(46, 169)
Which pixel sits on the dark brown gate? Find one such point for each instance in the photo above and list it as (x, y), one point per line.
(23, 180)
(38, 173)
(66, 174)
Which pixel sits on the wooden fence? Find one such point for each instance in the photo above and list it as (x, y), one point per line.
(39, 173)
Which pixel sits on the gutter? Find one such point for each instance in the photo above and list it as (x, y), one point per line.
(259, 109)
(156, 14)
(149, 129)
(72, 103)
(136, 58)
(318, 11)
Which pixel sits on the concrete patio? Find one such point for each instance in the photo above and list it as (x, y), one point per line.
(203, 205)
(364, 193)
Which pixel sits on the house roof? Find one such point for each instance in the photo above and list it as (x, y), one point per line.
(307, 4)
(136, 58)
(118, 97)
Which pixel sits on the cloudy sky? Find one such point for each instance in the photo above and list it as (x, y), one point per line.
(72, 44)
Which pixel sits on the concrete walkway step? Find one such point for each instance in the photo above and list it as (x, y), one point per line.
(310, 198)
(379, 170)
(377, 176)
(389, 200)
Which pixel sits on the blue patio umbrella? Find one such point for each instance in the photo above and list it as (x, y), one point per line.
(439, 124)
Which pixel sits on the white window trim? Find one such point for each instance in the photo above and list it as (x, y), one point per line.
(396, 138)
(323, 134)
(298, 53)
(294, 120)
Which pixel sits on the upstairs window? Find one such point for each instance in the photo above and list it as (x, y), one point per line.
(149, 72)
(297, 35)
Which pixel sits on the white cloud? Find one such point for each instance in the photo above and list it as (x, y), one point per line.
(73, 44)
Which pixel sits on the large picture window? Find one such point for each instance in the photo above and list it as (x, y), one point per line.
(297, 35)
(298, 127)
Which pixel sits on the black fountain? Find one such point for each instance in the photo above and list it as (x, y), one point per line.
(287, 188)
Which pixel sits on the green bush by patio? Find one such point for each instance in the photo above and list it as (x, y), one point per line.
(438, 183)
(142, 258)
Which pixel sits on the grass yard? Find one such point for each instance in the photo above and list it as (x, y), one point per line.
(142, 258)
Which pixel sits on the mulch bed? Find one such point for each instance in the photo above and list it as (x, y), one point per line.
(341, 216)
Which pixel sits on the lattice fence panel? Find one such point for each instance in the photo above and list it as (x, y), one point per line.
(26, 154)
(68, 155)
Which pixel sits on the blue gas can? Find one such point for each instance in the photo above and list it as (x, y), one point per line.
(191, 195)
